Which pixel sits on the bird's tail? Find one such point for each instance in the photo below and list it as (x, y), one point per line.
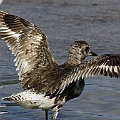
(10, 98)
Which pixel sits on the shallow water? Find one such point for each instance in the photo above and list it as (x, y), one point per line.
(97, 22)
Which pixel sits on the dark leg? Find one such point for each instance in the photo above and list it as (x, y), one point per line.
(46, 114)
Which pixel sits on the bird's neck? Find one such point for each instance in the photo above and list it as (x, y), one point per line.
(74, 59)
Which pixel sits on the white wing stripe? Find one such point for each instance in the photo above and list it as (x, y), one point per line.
(116, 69)
(99, 65)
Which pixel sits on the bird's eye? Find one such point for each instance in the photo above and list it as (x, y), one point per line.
(87, 49)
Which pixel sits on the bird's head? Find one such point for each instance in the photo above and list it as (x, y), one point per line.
(79, 50)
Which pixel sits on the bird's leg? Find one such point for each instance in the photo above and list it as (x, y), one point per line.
(55, 115)
(57, 109)
(46, 114)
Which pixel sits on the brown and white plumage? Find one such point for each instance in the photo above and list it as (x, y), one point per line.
(27, 42)
(46, 84)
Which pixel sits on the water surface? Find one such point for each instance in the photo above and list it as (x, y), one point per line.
(97, 22)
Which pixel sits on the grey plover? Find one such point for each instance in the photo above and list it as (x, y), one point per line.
(48, 85)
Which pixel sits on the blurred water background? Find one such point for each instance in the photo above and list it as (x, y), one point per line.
(64, 21)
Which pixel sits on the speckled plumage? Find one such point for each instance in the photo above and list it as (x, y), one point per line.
(48, 85)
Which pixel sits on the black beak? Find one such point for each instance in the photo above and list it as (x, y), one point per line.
(92, 54)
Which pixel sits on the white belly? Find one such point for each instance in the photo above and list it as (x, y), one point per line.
(29, 99)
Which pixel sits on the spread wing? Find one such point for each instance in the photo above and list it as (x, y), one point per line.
(28, 43)
(107, 65)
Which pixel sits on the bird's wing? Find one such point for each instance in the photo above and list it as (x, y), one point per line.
(28, 43)
(56, 82)
(107, 65)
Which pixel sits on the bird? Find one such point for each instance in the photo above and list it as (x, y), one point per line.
(46, 84)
